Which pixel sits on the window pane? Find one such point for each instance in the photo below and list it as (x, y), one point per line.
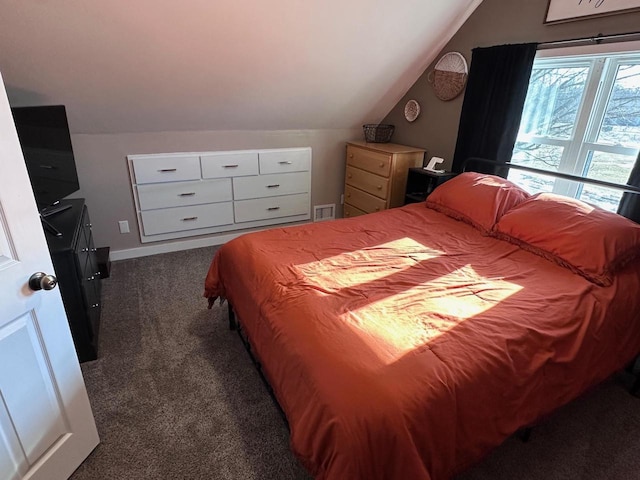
(606, 198)
(553, 100)
(609, 167)
(531, 182)
(621, 123)
(536, 155)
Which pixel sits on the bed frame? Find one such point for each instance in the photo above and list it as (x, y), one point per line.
(484, 165)
(234, 324)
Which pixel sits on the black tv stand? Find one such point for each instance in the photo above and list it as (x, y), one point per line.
(53, 209)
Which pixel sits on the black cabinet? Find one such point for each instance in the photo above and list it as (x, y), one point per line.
(76, 266)
(421, 182)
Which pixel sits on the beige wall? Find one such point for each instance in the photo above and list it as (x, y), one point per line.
(494, 22)
(104, 176)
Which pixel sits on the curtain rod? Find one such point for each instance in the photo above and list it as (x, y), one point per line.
(626, 37)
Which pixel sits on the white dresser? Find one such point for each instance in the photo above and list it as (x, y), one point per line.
(186, 194)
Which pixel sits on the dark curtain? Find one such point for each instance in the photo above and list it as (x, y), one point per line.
(493, 103)
(630, 203)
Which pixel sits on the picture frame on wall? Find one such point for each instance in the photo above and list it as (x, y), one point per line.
(559, 11)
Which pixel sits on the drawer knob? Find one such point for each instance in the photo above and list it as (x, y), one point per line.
(347, 214)
(348, 195)
(230, 166)
(188, 219)
(84, 250)
(88, 225)
(381, 164)
(94, 249)
(95, 305)
(349, 176)
(275, 185)
(167, 170)
(188, 194)
(377, 209)
(273, 208)
(89, 279)
(379, 187)
(351, 155)
(285, 163)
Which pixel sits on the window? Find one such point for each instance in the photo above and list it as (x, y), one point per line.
(581, 116)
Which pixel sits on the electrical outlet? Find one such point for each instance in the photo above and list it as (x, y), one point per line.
(124, 226)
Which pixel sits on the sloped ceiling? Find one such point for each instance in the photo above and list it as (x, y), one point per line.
(171, 65)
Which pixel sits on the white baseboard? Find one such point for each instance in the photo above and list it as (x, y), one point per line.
(147, 250)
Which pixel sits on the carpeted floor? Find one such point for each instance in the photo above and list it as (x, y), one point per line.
(175, 396)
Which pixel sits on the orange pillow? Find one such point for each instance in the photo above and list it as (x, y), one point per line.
(589, 241)
(476, 198)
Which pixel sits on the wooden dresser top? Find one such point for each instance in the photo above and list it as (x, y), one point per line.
(386, 147)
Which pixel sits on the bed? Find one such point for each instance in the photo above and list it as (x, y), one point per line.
(410, 342)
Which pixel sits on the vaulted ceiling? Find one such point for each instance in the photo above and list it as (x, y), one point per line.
(166, 65)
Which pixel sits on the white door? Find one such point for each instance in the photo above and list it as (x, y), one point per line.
(46, 425)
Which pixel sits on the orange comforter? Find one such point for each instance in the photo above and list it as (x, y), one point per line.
(406, 345)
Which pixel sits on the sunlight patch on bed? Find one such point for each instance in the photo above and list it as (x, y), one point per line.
(399, 323)
(365, 265)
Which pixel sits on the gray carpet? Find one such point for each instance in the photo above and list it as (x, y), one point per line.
(175, 396)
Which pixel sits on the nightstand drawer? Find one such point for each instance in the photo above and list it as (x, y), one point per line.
(166, 169)
(225, 164)
(362, 200)
(274, 207)
(180, 194)
(373, 184)
(186, 218)
(270, 185)
(374, 162)
(281, 161)
(351, 211)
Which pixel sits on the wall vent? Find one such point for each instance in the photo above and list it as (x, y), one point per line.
(324, 212)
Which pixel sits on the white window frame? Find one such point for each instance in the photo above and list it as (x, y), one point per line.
(590, 114)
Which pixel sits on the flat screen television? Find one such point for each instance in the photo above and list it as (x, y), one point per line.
(46, 146)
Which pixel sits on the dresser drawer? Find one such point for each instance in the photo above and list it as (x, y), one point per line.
(186, 218)
(374, 162)
(373, 184)
(180, 194)
(227, 164)
(351, 211)
(270, 185)
(363, 201)
(274, 207)
(84, 245)
(166, 169)
(90, 282)
(280, 161)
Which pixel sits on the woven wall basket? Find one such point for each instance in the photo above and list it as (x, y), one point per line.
(449, 76)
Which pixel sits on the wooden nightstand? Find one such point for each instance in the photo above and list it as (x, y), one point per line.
(421, 182)
(376, 176)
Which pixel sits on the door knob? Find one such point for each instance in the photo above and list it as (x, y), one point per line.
(42, 281)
